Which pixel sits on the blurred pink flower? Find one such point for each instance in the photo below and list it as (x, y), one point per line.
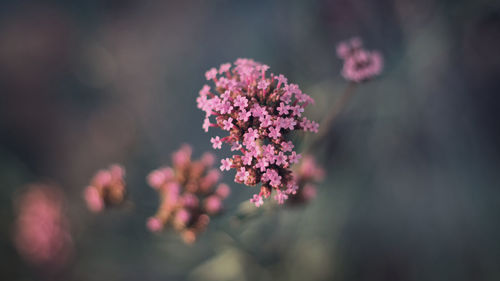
(107, 188)
(307, 174)
(41, 232)
(93, 199)
(154, 224)
(359, 64)
(213, 204)
(188, 194)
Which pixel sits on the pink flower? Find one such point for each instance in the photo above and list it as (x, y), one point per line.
(182, 156)
(207, 159)
(280, 197)
(274, 132)
(182, 217)
(41, 230)
(258, 111)
(314, 127)
(223, 190)
(102, 177)
(106, 189)
(226, 164)
(308, 125)
(204, 91)
(343, 50)
(263, 68)
(117, 171)
(262, 163)
(235, 146)
(292, 188)
(268, 151)
(283, 109)
(262, 85)
(206, 124)
(257, 200)
(266, 121)
(247, 159)
(281, 80)
(188, 193)
(211, 178)
(225, 107)
(294, 157)
(226, 95)
(273, 177)
(93, 199)
(211, 74)
(241, 102)
(359, 65)
(224, 68)
(296, 110)
(306, 174)
(244, 115)
(280, 159)
(213, 204)
(287, 96)
(190, 200)
(309, 191)
(287, 146)
(286, 123)
(242, 174)
(158, 177)
(310, 170)
(216, 142)
(251, 134)
(154, 224)
(227, 124)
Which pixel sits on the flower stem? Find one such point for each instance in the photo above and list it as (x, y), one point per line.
(329, 119)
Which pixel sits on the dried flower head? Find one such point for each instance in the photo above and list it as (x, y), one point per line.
(41, 233)
(359, 64)
(307, 174)
(258, 111)
(106, 189)
(189, 194)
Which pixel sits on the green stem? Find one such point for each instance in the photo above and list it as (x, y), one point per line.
(329, 119)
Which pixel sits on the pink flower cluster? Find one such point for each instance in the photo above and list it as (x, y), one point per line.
(107, 188)
(307, 174)
(189, 194)
(41, 233)
(359, 64)
(258, 111)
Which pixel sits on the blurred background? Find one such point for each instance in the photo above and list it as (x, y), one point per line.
(412, 186)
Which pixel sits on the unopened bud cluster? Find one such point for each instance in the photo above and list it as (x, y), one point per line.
(106, 189)
(189, 194)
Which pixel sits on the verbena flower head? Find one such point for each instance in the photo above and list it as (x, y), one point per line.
(308, 173)
(41, 230)
(359, 64)
(258, 111)
(106, 189)
(189, 194)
